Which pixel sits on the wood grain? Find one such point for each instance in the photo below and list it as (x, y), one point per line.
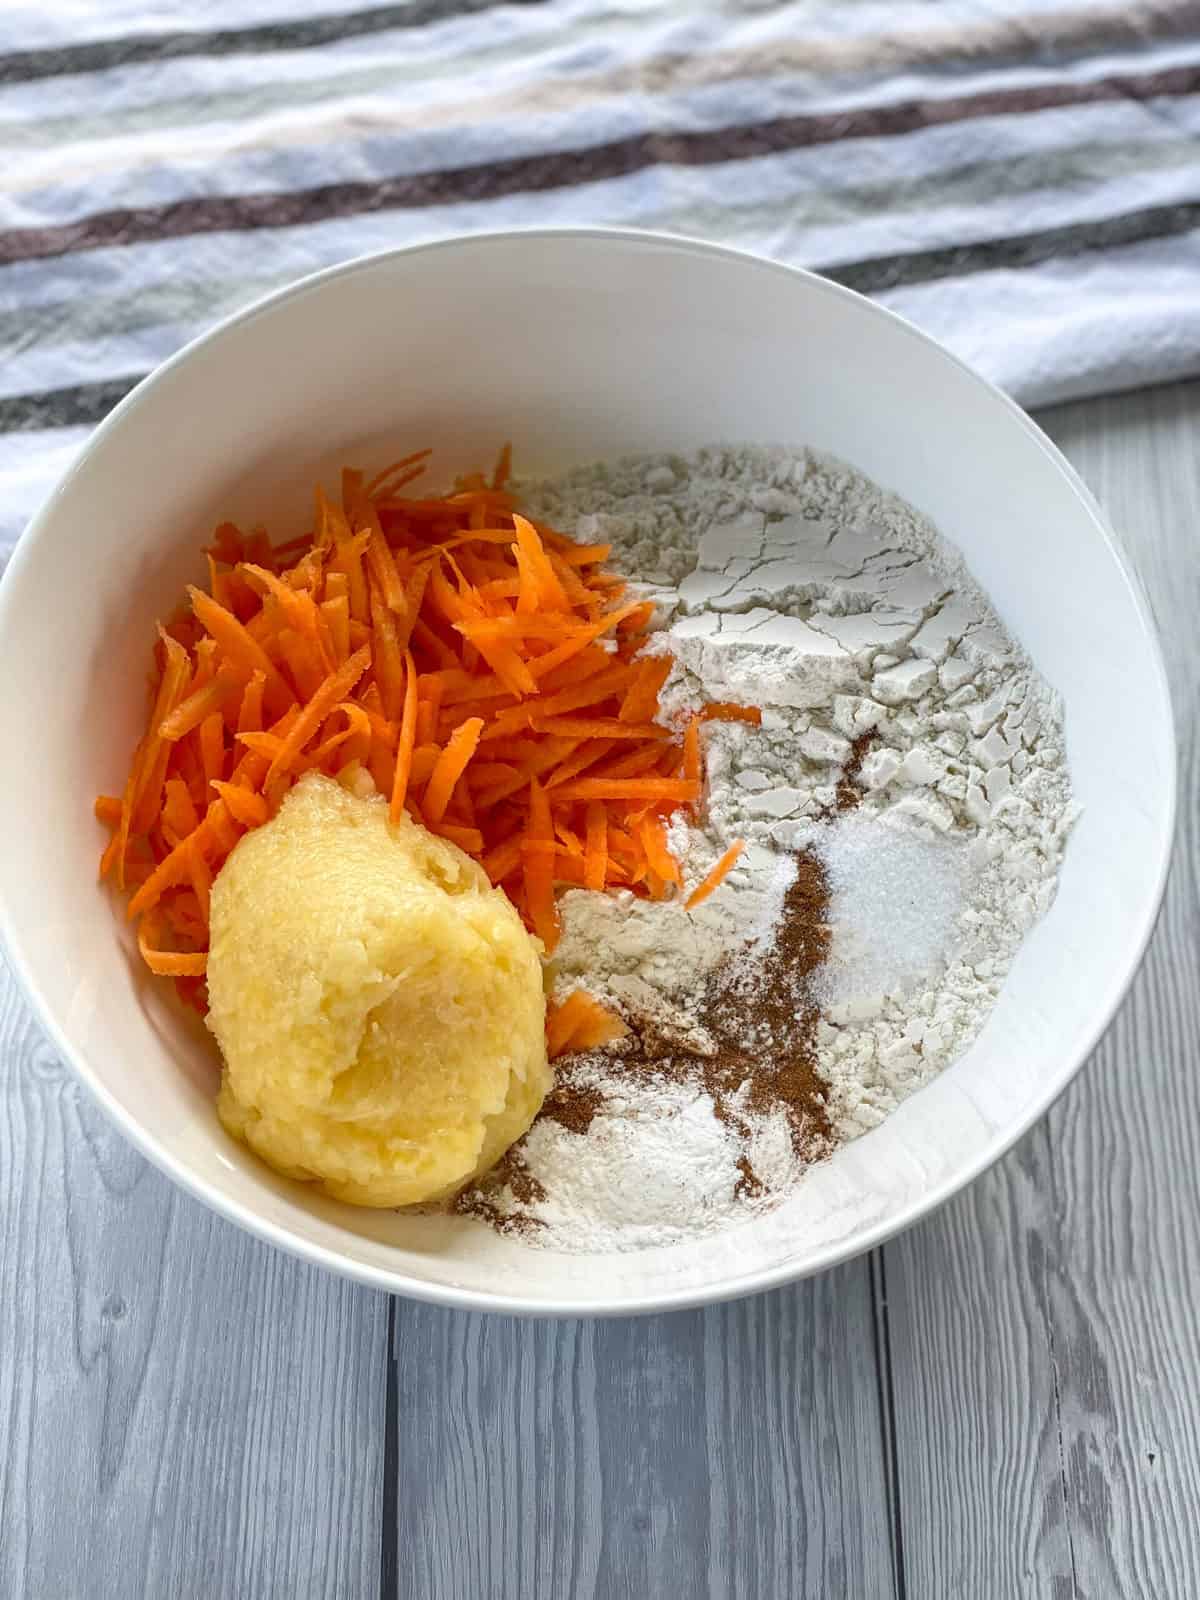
(1044, 1325)
(731, 1453)
(184, 1411)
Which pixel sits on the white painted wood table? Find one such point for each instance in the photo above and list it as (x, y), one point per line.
(1003, 1402)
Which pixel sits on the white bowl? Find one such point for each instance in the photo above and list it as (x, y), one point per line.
(576, 344)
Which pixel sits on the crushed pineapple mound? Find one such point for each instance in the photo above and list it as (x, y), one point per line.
(378, 1004)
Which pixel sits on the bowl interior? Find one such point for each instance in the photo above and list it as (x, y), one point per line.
(575, 346)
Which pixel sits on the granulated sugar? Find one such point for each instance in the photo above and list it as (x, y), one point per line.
(896, 897)
(907, 745)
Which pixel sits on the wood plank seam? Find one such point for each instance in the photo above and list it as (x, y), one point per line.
(1043, 1135)
(887, 1419)
(389, 1530)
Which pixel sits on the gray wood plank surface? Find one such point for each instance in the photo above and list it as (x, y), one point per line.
(183, 1411)
(733, 1453)
(1044, 1326)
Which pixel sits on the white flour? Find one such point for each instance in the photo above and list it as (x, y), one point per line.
(656, 1166)
(789, 582)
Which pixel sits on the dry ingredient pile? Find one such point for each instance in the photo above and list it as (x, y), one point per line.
(904, 806)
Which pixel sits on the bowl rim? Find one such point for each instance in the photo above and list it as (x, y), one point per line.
(516, 1304)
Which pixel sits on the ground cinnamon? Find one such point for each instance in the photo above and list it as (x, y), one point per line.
(759, 1013)
(754, 1051)
(849, 790)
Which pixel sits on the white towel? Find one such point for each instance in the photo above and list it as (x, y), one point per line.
(1022, 178)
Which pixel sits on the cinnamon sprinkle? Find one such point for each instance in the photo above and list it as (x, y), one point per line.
(754, 1053)
(849, 790)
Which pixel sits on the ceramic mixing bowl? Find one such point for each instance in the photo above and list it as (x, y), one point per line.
(575, 344)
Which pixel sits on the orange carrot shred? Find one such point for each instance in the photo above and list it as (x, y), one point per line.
(599, 728)
(335, 612)
(562, 1019)
(167, 963)
(540, 825)
(706, 886)
(537, 856)
(382, 567)
(154, 753)
(404, 746)
(246, 807)
(190, 713)
(179, 815)
(241, 648)
(595, 858)
(303, 661)
(337, 685)
(726, 711)
(250, 713)
(641, 702)
(378, 485)
(599, 1028)
(678, 789)
(580, 1023)
(212, 747)
(451, 765)
(691, 750)
(503, 858)
(468, 839)
(654, 841)
(201, 882)
(588, 753)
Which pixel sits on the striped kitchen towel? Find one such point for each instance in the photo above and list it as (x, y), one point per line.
(1020, 177)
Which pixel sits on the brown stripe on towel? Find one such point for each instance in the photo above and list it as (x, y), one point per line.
(100, 55)
(569, 168)
(86, 403)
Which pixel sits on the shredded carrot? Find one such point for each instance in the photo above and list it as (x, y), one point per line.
(468, 839)
(167, 963)
(726, 711)
(503, 859)
(503, 468)
(654, 841)
(303, 661)
(484, 670)
(382, 567)
(380, 483)
(326, 697)
(587, 754)
(407, 736)
(641, 701)
(190, 713)
(202, 885)
(677, 789)
(600, 728)
(245, 806)
(580, 1023)
(451, 765)
(706, 886)
(179, 815)
(335, 612)
(241, 648)
(250, 712)
(211, 735)
(691, 750)
(595, 857)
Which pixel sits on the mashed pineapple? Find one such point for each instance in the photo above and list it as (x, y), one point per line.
(378, 1004)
